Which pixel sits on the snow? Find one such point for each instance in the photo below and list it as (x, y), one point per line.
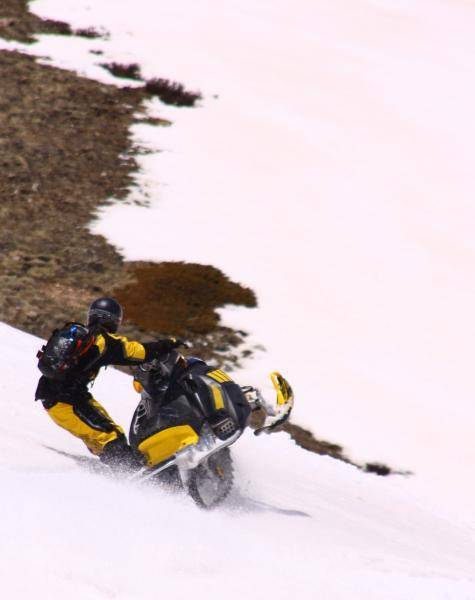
(329, 167)
(296, 523)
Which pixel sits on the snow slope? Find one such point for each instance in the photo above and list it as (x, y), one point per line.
(329, 166)
(296, 525)
(333, 174)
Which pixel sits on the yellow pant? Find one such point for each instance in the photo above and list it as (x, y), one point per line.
(89, 421)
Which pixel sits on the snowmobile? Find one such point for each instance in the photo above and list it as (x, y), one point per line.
(188, 416)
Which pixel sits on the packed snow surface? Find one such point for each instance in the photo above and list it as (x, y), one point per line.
(296, 525)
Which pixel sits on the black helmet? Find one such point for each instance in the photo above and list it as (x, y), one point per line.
(105, 312)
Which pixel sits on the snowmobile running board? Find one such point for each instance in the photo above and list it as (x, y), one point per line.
(146, 473)
(180, 458)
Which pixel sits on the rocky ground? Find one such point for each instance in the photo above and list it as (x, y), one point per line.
(65, 150)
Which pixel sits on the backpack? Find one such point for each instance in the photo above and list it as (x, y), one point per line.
(60, 354)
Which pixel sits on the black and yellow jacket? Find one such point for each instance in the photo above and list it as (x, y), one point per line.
(106, 349)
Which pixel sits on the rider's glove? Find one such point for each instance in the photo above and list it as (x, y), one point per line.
(161, 347)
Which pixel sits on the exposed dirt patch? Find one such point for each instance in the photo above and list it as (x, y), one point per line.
(17, 23)
(60, 139)
(90, 32)
(171, 92)
(153, 121)
(131, 71)
(179, 298)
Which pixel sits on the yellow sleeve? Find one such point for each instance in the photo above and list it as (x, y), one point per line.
(122, 350)
(100, 342)
(133, 350)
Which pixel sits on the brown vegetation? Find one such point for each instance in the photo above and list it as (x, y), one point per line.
(17, 23)
(61, 139)
(171, 92)
(131, 71)
(179, 298)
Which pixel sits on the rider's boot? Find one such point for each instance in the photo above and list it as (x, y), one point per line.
(120, 456)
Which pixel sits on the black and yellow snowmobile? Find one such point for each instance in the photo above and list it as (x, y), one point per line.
(188, 416)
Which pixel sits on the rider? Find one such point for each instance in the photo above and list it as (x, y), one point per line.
(68, 401)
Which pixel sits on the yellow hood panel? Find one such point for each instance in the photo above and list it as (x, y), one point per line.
(164, 444)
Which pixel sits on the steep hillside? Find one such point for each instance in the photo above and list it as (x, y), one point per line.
(295, 524)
